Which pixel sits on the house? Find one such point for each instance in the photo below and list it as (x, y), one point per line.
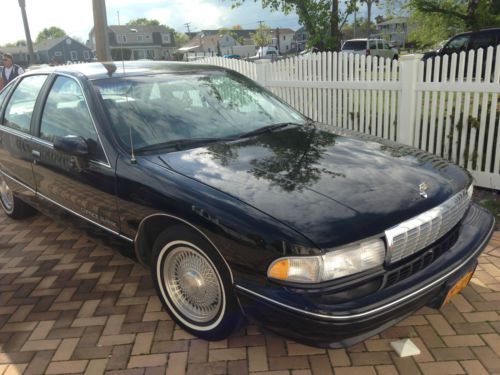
(213, 45)
(243, 36)
(210, 44)
(55, 50)
(282, 39)
(395, 30)
(139, 42)
(235, 41)
(61, 50)
(300, 39)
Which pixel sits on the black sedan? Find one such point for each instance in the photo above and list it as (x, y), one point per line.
(240, 205)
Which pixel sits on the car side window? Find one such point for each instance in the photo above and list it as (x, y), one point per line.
(3, 95)
(372, 44)
(22, 102)
(386, 45)
(66, 113)
(458, 44)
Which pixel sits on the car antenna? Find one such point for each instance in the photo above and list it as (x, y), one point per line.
(133, 160)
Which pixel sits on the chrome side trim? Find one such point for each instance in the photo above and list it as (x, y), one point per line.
(85, 218)
(15, 132)
(188, 224)
(18, 182)
(43, 142)
(378, 309)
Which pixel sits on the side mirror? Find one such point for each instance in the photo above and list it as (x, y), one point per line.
(72, 145)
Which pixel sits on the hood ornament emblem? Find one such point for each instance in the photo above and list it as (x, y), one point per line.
(423, 189)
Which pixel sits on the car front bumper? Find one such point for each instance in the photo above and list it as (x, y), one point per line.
(350, 322)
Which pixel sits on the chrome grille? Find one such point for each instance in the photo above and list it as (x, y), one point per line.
(419, 232)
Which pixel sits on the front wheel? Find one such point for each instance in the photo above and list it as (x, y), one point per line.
(194, 284)
(11, 205)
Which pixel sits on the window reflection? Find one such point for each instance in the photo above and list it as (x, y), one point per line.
(165, 107)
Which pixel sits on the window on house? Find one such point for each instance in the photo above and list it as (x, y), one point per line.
(165, 37)
(74, 55)
(86, 55)
(58, 53)
(122, 39)
(140, 38)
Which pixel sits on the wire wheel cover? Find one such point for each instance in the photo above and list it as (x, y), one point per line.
(6, 194)
(192, 284)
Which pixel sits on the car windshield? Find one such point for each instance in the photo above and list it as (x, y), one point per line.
(164, 108)
(354, 45)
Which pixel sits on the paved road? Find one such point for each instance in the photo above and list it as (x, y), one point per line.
(71, 304)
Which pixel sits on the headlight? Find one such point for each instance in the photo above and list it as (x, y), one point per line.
(337, 263)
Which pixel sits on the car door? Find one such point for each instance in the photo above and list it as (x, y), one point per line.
(15, 138)
(83, 185)
(388, 52)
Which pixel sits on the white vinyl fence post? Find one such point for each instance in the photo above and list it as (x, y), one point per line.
(261, 71)
(407, 99)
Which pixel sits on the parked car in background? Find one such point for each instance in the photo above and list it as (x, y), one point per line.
(232, 56)
(268, 52)
(236, 202)
(309, 51)
(466, 42)
(370, 47)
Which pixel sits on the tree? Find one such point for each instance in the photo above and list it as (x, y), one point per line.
(323, 19)
(369, 4)
(19, 43)
(236, 27)
(50, 33)
(143, 22)
(437, 20)
(262, 36)
(474, 14)
(180, 39)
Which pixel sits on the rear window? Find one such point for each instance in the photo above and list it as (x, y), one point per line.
(354, 45)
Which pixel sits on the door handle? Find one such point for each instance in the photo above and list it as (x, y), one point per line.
(35, 153)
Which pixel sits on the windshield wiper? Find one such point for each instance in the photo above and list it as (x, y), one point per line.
(266, 129)
(178, 144)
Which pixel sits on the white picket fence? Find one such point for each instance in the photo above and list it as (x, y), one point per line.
(447, 106)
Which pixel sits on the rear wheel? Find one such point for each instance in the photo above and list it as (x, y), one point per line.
(194, 284)
(12, 206)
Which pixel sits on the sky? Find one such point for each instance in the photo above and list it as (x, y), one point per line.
(76, 19)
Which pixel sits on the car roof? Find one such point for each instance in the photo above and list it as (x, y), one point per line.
(99, 70)
(493, 29)
(362, 39)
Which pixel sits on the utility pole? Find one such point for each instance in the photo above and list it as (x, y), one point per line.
(101, 30)
(278, 39)
(187, 24)
(29, 43)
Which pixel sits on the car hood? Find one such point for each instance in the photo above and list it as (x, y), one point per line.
(430, 54)
(332, 188)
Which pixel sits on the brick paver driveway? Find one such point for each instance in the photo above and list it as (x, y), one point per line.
(71, 304)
